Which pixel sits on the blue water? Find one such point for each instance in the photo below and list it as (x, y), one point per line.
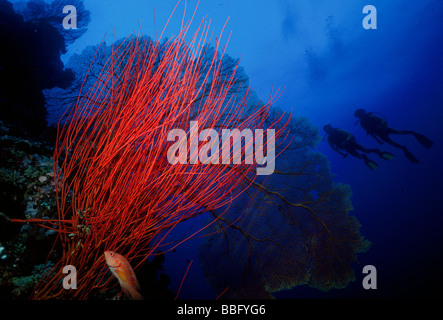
(328, 65)
(395, 70)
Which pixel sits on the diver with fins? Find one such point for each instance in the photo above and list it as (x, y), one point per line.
(377, 127)
(340, 139)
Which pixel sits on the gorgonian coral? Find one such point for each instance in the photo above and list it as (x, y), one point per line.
(294, 229)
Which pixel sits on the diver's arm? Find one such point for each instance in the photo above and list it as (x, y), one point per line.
(376, 138)
(334, 147)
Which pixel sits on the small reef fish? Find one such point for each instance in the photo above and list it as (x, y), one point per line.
(122, 270)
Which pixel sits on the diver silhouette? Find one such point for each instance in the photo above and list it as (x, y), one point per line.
(340, 139)
(377, 127)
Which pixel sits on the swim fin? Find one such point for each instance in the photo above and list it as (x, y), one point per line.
(410, 156)
(425, 142)
(371, 164)
(387, 156)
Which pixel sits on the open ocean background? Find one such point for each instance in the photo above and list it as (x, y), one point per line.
(328, 65)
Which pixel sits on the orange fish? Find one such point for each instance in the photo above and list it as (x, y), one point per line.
(122, 270)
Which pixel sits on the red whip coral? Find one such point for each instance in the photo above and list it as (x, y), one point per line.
(115, 188)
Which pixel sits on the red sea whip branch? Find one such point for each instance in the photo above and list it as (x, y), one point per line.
(115, 188)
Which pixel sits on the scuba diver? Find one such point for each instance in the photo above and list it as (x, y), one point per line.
(344, 140)
(377, 127)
